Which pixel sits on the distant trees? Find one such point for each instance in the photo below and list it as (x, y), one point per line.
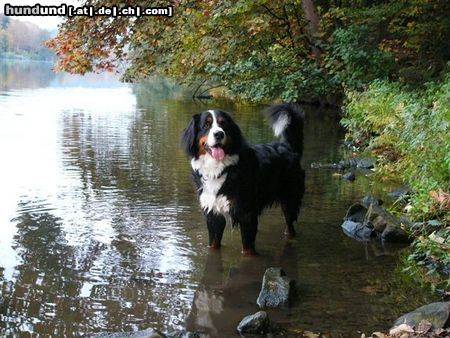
(22, 39)
(259, 49)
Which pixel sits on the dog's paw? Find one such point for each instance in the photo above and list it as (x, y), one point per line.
(249, 252)
(215, 245)
(289, 233)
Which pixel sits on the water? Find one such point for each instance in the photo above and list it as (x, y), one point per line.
(101, 230)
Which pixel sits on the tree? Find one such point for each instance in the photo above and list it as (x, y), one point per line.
(4, 44)
(289, 49)
(23, 38)
(4, 21)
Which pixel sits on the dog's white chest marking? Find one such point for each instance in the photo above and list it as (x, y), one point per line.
(210, 200)
(212, 177)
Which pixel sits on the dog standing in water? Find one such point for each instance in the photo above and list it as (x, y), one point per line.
(238, 180)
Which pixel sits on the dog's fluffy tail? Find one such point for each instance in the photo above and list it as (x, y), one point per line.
(287, 124)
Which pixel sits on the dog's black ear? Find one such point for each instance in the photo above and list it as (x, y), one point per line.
(189, 135)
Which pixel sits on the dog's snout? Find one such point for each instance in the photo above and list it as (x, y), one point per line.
(219, 135)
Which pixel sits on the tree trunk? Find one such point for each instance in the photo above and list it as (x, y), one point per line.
(309, 8)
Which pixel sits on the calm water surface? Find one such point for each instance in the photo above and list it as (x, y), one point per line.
(101, 230)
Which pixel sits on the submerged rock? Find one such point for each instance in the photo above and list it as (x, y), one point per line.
(257, 323)
(364, 222)
(358, 231)
(356, 213)
(318, 165)
(350, 176)
(350, 163)
(368, 200)
(437, 314)
(385, 223)
(357, 162)
(399, 193)
(276, 288)
(365, 163)
(148, 333)
(354, 225)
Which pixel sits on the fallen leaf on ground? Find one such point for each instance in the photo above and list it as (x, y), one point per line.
(441, 197)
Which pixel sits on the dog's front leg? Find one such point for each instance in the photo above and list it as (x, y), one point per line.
(249, 228)
(216, 226)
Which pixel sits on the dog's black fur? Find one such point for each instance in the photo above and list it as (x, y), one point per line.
(240, 180)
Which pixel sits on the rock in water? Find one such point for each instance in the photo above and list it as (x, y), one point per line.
(437, 314)
(353, 162)
(276, 288)
(354, 225)
(257, 323)
(399, 193)
(364, 222)
(368, 200)
(350, 176)
(356, 162)
(358, 231)
(389, 225)
(356, 213)
(317, 165)
(365, 163)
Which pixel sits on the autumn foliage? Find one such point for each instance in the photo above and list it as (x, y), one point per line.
(291, 49)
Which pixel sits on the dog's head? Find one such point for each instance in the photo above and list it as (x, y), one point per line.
(211, 133)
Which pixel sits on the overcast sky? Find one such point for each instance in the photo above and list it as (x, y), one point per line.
(47, 22)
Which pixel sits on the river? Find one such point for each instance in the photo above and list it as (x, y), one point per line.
(101, 229)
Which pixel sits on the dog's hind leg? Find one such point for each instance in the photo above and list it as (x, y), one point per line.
(249, 228)
(290, 211)
(292, 200)
(216, 225)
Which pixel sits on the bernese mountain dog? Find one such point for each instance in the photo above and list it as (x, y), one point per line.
(237, 181)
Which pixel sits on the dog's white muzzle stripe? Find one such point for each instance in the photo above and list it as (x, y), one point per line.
(214, 129)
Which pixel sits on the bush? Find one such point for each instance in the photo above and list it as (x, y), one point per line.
(278, 74)
(410, 133)
(354, 58)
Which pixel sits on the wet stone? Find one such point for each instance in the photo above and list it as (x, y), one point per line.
(365, 163)
(364, 222)
(276, 289)
(379, 224)
(317, 165)
(356, 213)
(399, 193)
(350, 163)
(390, 225)
(358, 231)
(368, 200)
(350, 176)
(437, 314)
(257, 323)
(361, 163)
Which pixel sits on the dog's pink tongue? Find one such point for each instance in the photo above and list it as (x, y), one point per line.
(217, 153)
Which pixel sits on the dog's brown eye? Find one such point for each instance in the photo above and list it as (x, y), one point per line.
(207, 125)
